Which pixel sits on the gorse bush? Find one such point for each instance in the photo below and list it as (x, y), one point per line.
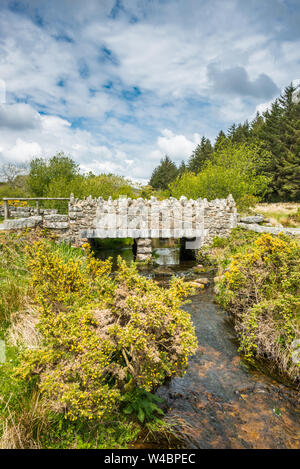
(260, 288)
(104, 336)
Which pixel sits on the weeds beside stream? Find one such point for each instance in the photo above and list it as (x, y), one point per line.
(85, 348)
(258, 283)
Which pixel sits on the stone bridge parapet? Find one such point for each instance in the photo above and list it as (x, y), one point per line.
(141, 219)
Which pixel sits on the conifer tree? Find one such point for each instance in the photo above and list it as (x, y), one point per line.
(239, 133)
(220, 139)
(280, 134)
(163, 174)
(200, 155)
(182, 168)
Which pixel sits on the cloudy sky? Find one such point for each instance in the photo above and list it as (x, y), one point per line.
(117, 84)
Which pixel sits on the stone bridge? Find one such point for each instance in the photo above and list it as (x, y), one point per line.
(195, 221)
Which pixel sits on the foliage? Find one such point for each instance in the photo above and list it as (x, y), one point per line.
(13, 276)
(163, 174)
(276, 132)
(147, 191)
(103, 337)
(6, 190)
(42, 172)
(85, 434)
(260, 287)
(105, 340)
(233, 168)
(141, 403)
(200, 156)
(280, 133)
(59, 177)
(104, 185)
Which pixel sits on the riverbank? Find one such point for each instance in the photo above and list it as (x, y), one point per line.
(224, 400)
(85, 347)
(258, 284)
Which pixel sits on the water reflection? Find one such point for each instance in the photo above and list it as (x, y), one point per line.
(126, 253)
(167, 256)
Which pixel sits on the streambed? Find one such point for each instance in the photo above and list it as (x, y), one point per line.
(222, 401)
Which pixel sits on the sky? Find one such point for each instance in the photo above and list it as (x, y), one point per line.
(117, 84)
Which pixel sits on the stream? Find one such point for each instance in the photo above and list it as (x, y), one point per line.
(222, 401)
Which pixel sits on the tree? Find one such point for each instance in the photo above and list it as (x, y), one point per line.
(201, 154)
(288, 161)
(164, 174)
(12, 172)
(103, 185)
(280, 133)
(256, 125)
(182, 168)
(42, 172)
(220, 139)
(239, 133)
(234, 169)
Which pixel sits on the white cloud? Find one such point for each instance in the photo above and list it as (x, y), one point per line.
(178, 147)
(64, 93)
(19, 116)
(22, 151)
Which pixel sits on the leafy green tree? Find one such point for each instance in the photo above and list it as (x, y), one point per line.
(42, 172)
(201, 154)
(235, 168)
(163, 174)
(103, 185)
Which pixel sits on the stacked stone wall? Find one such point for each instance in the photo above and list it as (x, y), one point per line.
(140, 219)
(26, 212)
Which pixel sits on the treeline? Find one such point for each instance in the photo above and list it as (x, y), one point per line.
(257, 159)
(60, 176)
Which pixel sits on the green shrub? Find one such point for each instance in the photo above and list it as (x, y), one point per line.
(141, 403)
(233, 169)
(260, 288)
(103, 336)
(13, 276)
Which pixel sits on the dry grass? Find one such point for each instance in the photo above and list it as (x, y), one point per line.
(22, 331)
(281, 207)
(281, 213)
(24, 430)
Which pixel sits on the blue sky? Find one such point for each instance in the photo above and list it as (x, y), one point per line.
(117, 84)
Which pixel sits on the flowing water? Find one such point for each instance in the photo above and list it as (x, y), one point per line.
(223, 402)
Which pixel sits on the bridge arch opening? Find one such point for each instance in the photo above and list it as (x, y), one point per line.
(163, 251)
